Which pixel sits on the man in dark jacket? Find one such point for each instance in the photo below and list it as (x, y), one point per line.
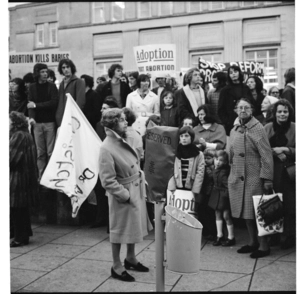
(115, 87)
(70, 84)
(43, 100)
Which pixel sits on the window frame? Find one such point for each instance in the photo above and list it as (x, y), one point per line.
(171, 8)
(243, 4)
(199, 52)
(112, 12)
(139, 10)
(94, 12)
(50, 34)
(258, 48)
(37, 35)
(105, 60)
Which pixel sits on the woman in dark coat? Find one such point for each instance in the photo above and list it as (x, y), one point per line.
(281, 134)
(23, 179)
(256, 86)
(17, 98)
(251, 173)
(230, 94)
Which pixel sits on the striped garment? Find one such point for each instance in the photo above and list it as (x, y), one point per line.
(184, 170)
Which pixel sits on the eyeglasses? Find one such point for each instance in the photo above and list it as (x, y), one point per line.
(244, 107)
(274, 92)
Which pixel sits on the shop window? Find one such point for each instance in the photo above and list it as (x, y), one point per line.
(270, 59)
(98, 12)
(117, 11)
(178, 7)
(53, 33)
(144, 9)
(101, 67)
(213, 57)
(40, 35)
(166, 8)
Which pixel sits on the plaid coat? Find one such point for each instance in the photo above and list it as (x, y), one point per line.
(23, 170)
(251, 161)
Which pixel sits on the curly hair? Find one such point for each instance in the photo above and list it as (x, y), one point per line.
(113, 67)
(188, 130)
(110, 118)
(209, 117)
(134, 74)
(130, 115)
(189, 74)
(241, 75)
(18, 121)
(258, 83)
(68, 62)
(284, 103)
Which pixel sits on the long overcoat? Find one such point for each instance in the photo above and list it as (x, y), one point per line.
(128, 221)
(23, 170)
(251, 161)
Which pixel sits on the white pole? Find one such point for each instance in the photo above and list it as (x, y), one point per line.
(159, 246)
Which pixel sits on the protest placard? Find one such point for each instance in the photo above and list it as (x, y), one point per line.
(247, 67)
(73, 168)
(157, 60)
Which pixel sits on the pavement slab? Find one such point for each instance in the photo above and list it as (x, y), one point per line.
(78, 275)
(83, 236)
(37, 262)
(20, 278)
(274, 276)
(57, 250)
(14, 255)
(37, 240)
(212, 281)
(56, 229)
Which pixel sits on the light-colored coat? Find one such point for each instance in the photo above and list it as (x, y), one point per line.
(194, 178)
(251, 161)
(121, 177)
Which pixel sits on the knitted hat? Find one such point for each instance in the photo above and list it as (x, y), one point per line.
(272, 99)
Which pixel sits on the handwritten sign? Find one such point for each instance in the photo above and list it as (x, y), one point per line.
(247, 67)
(158, 60)
(73, 168)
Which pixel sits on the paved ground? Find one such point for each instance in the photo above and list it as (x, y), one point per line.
(78, 259)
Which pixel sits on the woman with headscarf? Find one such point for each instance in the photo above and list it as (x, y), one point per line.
(281, 133)
(23, 178)
(251, 173)
(124, 182)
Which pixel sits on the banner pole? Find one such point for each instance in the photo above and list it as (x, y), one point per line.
(159, 246)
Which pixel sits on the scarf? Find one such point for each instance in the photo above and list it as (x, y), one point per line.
(279, 139)
(187, 151)
(190, 96)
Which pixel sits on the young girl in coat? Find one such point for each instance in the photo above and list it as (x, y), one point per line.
(219, 199)
(169, 113)
(189, 165)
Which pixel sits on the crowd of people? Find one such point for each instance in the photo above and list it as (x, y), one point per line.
(235, 141)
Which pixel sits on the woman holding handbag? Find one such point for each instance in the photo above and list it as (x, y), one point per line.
(251, 173)
(281, 134)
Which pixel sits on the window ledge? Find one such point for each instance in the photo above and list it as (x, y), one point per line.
(46, 47)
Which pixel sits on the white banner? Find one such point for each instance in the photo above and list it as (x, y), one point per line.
(184, 200)
(73, 168)
(158, 60)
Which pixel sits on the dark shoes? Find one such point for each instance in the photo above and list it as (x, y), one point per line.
(229, 242)
(260, 253)
(138, 267)
(219, 241)
(125, 277)
(18, 244)
(248, 249)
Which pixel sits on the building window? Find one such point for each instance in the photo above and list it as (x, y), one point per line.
(178, 7)
(166, 8)
(217, 5)
(213, 57)
(98, 12)
(101, 67)
(249, 4)
(117, 10)
(271, 2)
(40, 42)
(194, 6)
(232, 4)
(144, 9)
(53, 33)
(270, 59)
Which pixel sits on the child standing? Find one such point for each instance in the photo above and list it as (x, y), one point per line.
(206, 215)
(189, 165)
(219, 199)
(169, 114)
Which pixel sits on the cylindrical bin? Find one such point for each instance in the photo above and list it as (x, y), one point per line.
(183, 241)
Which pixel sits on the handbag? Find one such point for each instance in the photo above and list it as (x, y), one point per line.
(271, 210)
(291, 171)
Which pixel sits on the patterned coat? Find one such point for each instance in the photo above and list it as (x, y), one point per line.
(23, 170)
(121, 177)
(251, 161)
